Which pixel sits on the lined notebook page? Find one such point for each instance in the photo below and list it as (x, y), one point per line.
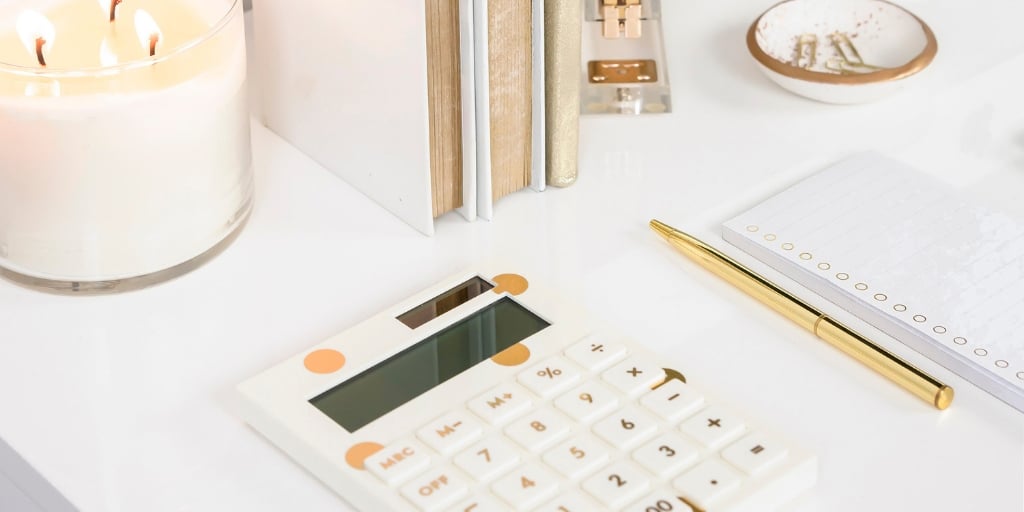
(907, 254)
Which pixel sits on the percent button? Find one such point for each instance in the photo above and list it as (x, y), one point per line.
(551, 376)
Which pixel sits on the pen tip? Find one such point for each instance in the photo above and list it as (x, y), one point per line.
(661, 228)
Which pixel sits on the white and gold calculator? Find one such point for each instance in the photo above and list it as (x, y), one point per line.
(487, 393)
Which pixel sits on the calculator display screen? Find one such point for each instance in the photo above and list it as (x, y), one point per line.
(421, 367)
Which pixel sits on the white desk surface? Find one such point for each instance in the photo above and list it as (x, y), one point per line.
(121, 402)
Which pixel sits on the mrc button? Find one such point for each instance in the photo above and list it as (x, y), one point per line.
(398, 462)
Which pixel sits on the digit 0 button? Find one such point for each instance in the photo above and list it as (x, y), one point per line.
(662, 500)
(398, 462)
(451, 432)
(435, 489)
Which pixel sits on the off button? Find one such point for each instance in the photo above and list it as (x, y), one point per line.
(436, 489)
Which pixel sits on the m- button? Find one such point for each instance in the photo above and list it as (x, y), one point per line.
(399, 462)
(451, 432)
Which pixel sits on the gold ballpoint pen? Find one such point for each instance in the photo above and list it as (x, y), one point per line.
(838, 335)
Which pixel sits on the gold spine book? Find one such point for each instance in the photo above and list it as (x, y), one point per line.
(562, 56)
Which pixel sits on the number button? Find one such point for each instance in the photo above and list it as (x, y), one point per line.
(570, 502)
(399, 462)
(550, 377)
(673, 400)
(488, 459)
(634, 375)
(539, 430)
(667, 455)
(713, 427)
(526, 487)
(662, 500)
(596, 352)
(617, 484)
(577, 457)
(755, 453)
(626, 427)
(451, 432)
(707, 483)
(479, 503)
(435, 489)
(501, 403)
(588, 402)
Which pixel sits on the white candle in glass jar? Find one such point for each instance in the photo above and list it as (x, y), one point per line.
(116, 164)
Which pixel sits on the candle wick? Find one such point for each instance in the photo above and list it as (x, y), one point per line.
(153, 40)
(40, 42)
(113, 9)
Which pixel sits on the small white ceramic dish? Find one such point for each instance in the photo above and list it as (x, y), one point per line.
(840, 51)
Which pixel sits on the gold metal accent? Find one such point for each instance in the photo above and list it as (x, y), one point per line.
(690, 504)
(670, 374)
(622, 17)
(906, 375)
(623, 71)
(806, 53)
(915, 65)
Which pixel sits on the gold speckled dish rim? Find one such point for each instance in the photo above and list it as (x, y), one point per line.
(921, 61)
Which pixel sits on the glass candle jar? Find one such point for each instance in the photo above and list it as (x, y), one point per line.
(124, 139)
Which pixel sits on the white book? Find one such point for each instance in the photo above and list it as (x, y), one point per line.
(907, 254)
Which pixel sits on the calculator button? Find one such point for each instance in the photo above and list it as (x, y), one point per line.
(588, 402)
(451, 432)
(480, 503)
(550, 377)
(634, 375)
(673, 400)
(435, 489)
(709, 481)
(713, 427)
(596, 352)
(526, 487)
(662, 500)
(488, 459)
(539, 429)
(399, 462)
(667, 455)
(755, 453)
(501, 403)
(626, 427)
(577, 457)
(618, 484)
(570, 502)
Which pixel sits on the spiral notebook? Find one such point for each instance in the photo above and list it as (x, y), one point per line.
(907, 254)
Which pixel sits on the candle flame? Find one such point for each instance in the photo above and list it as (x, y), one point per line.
(107, 56)
(149, 32)
(36, 33)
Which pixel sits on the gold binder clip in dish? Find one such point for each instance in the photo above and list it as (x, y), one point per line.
(622, 17)
(806, 52)
(622, 71)
(849, 60)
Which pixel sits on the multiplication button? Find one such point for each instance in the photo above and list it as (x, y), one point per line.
(634, 375)
(435, 489)
(550, 377)
(596, 352)
(501, 403)
(451, 432)
(398, 462)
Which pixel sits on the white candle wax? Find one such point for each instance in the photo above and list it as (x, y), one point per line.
(113, 164)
